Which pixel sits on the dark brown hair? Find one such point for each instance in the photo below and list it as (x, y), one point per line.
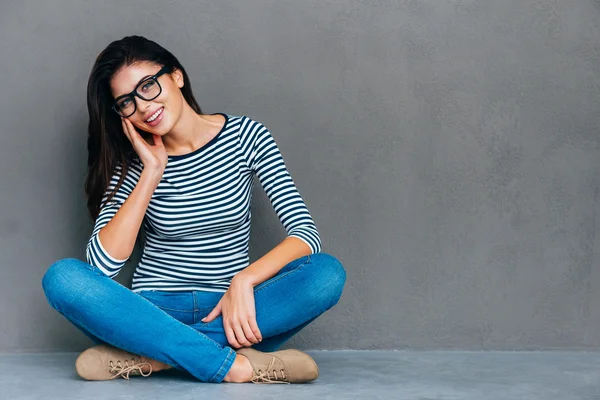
(107, 145)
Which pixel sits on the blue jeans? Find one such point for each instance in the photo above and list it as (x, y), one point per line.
(166, 326)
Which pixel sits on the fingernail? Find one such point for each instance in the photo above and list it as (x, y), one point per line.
(203, 319)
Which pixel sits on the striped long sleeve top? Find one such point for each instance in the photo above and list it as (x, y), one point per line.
(197, 225)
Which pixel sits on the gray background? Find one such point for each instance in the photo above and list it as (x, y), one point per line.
(448, 151)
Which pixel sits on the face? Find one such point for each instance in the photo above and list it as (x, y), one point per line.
(169, 103)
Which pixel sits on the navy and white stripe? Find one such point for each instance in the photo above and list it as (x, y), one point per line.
(197, 225)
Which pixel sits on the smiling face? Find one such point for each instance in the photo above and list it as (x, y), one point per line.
(156, 116)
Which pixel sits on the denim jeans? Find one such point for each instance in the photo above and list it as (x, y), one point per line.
(167, 326)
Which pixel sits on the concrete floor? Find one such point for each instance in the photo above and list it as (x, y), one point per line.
(344, 375)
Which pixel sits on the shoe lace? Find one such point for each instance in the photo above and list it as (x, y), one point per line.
(270, 375)
(135, 368)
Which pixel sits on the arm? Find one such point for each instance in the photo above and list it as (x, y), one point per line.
(119, 221)
(303, 237)
(117, 226)
(269, 265)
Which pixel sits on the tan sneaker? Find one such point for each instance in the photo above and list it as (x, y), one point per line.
(284, 366)
(104, 362)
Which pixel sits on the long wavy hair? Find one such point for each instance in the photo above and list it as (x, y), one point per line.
(107, 145)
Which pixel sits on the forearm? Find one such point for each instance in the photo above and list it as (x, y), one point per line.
(271, 263)
(119, 235)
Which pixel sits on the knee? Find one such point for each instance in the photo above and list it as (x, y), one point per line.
(61, 278)
(332, 276)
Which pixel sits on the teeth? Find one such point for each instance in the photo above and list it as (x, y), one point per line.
(153, 117)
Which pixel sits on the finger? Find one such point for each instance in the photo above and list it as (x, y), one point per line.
(231, 337)
(239, 335)
(213, 314)
(131, 133)
(131, 130)
(255, 330)
(249, 333)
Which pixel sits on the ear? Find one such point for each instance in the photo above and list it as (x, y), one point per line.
(178, 77)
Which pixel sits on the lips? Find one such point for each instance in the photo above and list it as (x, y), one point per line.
(152, 113)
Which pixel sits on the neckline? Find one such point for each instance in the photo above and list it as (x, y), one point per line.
(204, 146)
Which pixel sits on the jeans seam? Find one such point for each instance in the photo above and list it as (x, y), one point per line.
(161, 307)
(195, 309)
(278, 278)
(194, 315)
(220, 375)
(172, 309)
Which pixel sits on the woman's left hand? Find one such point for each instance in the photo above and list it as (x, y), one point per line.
(239, 314)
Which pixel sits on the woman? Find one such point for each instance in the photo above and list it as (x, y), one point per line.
(196, 303)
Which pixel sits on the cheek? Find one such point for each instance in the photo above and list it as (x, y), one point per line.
(137, 121)
(174, 102)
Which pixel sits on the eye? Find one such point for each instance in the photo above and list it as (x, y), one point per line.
(147, 86)
(124, 102)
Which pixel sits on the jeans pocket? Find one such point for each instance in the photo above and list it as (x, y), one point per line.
(172, 301)
(179, 305)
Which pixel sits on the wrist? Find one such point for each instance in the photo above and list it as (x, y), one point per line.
(244, 279)
(153, 173)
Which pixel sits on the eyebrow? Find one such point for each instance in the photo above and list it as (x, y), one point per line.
(141, 80)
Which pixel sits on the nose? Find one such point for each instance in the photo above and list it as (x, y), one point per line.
(143, 106)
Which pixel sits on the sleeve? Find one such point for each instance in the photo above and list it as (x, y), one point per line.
(95, 253)
(267, 164)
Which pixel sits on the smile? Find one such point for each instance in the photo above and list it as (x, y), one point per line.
(155, 115)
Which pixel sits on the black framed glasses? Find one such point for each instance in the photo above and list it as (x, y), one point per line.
(148, 89)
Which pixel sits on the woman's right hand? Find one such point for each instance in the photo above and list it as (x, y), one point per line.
(152, 155)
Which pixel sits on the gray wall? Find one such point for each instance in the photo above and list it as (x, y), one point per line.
(449, 152)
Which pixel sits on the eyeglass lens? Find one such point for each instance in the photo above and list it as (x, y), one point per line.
(147, 90)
